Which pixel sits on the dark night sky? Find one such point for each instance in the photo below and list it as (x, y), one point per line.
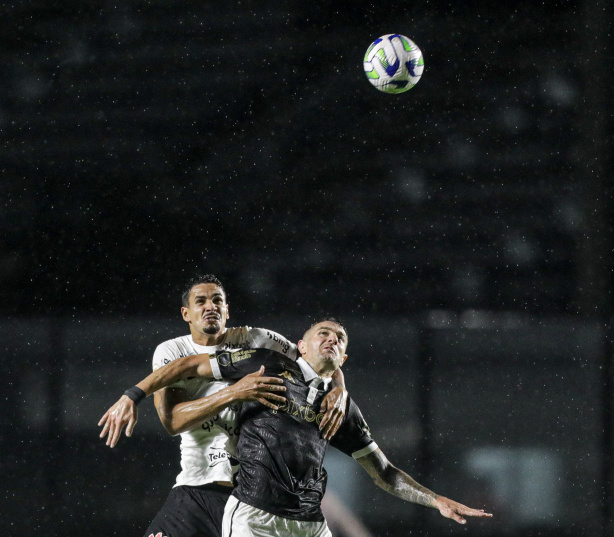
(146, 142)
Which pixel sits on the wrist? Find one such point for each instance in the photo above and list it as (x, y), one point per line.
(342, 391)
(136, 394)
(435, 499)
(229, 395)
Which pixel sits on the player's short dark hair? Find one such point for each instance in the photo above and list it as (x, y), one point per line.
(198, 280)
(326, 318)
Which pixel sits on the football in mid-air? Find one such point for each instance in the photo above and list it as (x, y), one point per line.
(393, 63)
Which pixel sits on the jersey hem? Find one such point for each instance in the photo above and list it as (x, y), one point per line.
(316, 517)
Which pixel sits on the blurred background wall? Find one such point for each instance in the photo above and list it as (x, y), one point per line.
(463, 231)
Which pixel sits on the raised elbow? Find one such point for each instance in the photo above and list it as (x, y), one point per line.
(170, 425)
(167, 428)
(168, 404)
(173, 431)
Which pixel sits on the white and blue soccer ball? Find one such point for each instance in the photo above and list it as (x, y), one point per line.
(393, 63)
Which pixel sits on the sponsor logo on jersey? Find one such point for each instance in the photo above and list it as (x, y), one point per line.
(233, 346)
(285, 345)
(215, 421)
(242, 355)
(303, 412)
(217, 456)
(227, 358)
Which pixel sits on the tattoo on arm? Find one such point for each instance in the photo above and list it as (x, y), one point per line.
(395, 481)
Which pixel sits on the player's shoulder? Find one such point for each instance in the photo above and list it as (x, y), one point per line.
(236, 335)
(244, 333)
(259, 338)
(171, 349)
(263, 337)
(179, 344)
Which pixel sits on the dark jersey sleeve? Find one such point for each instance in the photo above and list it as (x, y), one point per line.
(353, 437)
(233, 365)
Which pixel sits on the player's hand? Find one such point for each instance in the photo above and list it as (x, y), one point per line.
(256, 387)
(333, 407)
(122, 414)
(456, 511)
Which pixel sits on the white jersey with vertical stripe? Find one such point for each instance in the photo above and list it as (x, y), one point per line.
(204, 455)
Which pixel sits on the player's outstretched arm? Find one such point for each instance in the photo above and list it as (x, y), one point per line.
(124, 412)
(178, 415)
(333, 406)
(398, 483)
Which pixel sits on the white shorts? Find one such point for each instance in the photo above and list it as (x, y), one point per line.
(242, 520)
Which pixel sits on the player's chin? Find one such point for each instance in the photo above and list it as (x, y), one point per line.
(212, 328)
(332, 357)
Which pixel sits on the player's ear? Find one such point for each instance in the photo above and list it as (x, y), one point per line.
(227, 311)
(301, 346)
(184, 314)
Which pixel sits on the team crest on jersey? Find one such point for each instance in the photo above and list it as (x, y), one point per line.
(223, 358)
(287, 375)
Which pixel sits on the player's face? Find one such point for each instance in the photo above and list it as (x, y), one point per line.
(208, 311)
(324, 345)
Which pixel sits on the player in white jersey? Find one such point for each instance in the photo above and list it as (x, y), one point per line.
(204, 412)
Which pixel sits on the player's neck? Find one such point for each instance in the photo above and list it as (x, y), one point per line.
(209, 340)
(321, 369)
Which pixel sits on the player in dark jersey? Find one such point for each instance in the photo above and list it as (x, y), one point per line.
(281, 452)
(281, 480)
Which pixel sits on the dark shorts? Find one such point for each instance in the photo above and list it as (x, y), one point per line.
(191, 512)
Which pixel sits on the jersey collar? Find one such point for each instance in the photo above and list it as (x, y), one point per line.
(309, 373)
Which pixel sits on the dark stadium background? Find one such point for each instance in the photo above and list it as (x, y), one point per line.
(463, 232)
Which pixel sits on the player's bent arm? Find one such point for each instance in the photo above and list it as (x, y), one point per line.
(167, 401)
(178, 414)
(124, 412)
(197, 365)
(398, 483)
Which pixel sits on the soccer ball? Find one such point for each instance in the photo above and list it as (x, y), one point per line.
(393, 63)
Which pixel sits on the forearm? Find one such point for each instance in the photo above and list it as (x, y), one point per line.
(187, 415)
(338, 379)
(182, 368)
(396, 482)
(401, 485)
